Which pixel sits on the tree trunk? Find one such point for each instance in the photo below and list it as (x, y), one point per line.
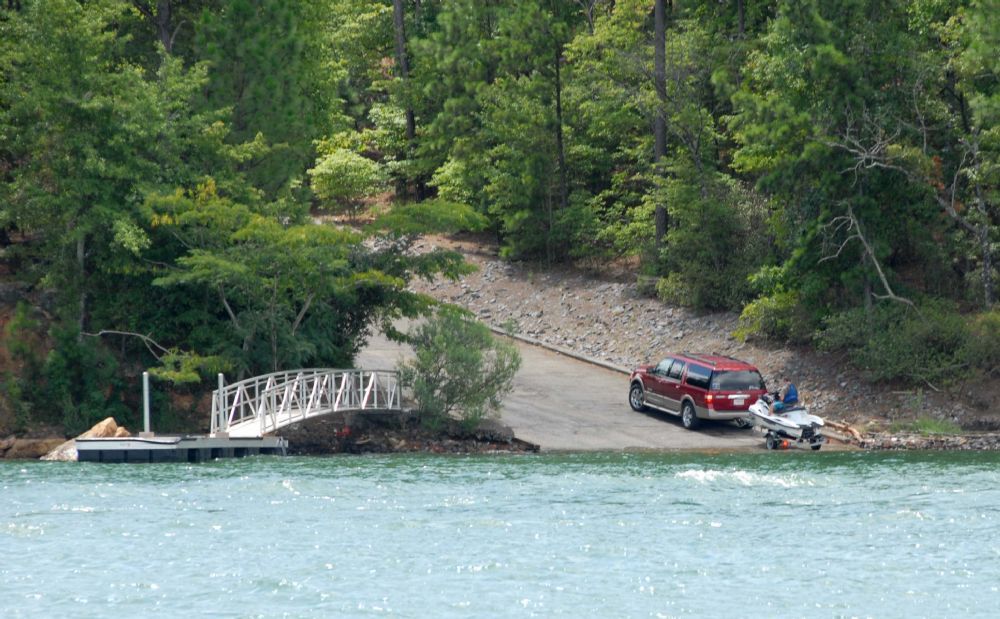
(659, 122)
(742, 17)
(163, 25)
(404, 65)
(160, 20)
(563, 183)
(989, 293)
(404, 75)
(81, 263)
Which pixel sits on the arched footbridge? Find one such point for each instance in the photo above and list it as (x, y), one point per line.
(260, 405)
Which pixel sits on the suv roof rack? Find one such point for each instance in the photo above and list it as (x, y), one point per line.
(701, 357)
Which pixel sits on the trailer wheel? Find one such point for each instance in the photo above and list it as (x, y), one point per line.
(771, 442)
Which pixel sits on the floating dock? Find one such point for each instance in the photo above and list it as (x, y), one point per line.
(176, 448)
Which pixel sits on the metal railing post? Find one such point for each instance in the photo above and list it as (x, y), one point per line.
(145, 403)
(220, 424)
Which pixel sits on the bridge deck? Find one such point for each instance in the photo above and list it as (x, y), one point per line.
(261, 405)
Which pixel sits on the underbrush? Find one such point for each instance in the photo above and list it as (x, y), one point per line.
(926, 426)
(932, 344)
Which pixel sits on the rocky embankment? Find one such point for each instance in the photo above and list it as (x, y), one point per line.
(356, 433)
(360, 433)
(26, 448)
(887, 441)
(599, 314)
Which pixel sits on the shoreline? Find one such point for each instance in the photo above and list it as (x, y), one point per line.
(369, 440)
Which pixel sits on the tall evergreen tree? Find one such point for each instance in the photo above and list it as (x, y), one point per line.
(269, 64)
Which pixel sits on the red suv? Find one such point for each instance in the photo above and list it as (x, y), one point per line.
(696, 387)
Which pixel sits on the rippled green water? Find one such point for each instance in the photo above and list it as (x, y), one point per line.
(763, 535)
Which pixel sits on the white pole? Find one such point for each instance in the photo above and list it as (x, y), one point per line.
(222, 425)
(145, 402)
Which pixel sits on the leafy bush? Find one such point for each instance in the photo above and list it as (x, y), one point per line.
(982, 347)
(15, 408)
(345, 177)
(779, 316)
(713, 244)
(20, 387)
(459, 370)
(926, 426)
(83, 383)
(895, 341)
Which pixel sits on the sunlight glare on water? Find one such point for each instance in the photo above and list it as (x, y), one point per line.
(598, 535)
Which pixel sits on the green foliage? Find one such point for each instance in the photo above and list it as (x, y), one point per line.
(83, 383)
(270, 65)
(22, 387)
(459, 370)
(713, 244)
(77, 123)
(344, 177)
(927, 426)
(779, 316)
(933, 345)
(15, 408)
(162, 174)
(979, 63)
(178, 367)
(270, 279)
(982, 346)
(438, 216)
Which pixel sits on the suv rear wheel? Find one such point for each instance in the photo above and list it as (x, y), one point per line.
(689, 418)
(636, 398)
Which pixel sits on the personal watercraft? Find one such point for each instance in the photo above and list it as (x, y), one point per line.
(791, 426)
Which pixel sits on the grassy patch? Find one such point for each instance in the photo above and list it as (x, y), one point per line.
(927, 425)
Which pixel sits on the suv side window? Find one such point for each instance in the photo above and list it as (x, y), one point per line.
(662, 367)
(676, 370)
(698, 376)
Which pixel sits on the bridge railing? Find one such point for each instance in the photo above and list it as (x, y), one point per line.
(275, 400)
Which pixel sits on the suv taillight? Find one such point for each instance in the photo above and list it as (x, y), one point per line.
(710, 400)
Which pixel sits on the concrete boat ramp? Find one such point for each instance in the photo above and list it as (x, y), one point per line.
(563, 402)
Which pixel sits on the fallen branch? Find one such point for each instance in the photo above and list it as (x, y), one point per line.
(850, 225)
(148, 341)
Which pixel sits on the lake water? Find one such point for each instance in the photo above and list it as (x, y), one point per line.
(607, 535)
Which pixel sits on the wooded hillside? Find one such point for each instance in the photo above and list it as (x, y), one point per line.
(830, 169)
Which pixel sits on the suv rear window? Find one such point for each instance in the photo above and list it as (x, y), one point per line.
(698, 376)
(737, 380)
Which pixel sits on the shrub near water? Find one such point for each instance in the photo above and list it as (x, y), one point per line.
(459, 370)
(982, 349)
(934, 344)
(927, 426)
(778, 316)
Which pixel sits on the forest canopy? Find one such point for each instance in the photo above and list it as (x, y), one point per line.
(809, 164)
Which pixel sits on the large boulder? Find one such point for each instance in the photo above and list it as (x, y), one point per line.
(102, 429)
(66, 452)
